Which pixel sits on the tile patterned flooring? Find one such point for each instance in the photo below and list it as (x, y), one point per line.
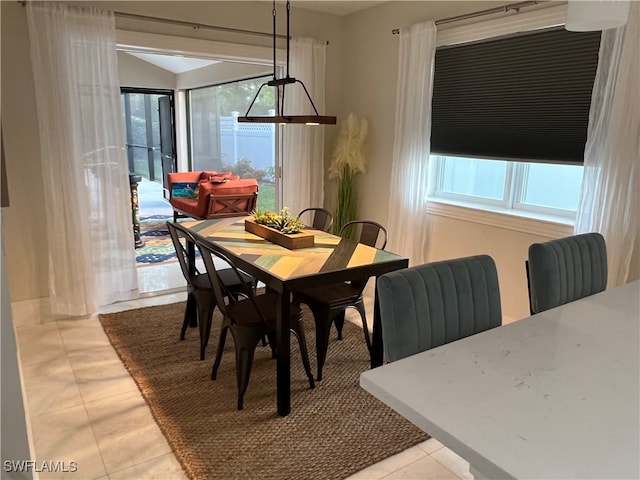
(83, 406)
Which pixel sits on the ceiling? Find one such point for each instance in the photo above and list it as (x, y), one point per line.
(174, 63)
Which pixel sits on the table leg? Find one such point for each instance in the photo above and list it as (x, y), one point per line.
(283, 367)
(377, 350)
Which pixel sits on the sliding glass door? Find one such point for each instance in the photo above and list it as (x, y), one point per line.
(149, 121)
(218, 142)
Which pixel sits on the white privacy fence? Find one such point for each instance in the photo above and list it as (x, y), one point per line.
(255, 141)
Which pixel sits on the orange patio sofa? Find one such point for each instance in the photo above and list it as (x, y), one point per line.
(209, 194)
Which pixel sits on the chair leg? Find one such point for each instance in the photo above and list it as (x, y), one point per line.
(297, 327)
(206, 304)
(339, 322)
(190, 315)
(322, 317)
(270, 337)
(205, 332)
(247, 340)
(216, 363)
(188, 312)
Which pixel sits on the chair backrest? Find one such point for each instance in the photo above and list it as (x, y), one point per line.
(184, 245)
(426, 306)
(567, 269)
(220, 290)
(321, 218)
(235, 205)
(367, 232)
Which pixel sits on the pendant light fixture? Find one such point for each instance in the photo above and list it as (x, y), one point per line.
(280, 85)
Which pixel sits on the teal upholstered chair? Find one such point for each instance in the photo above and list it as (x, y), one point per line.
(429, 305)
(564, 270)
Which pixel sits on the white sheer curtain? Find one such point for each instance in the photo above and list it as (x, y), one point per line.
(610, 197)
(303, 146)
(407, 222)
(84, 165)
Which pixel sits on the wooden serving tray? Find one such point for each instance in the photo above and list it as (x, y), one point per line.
(290, 241)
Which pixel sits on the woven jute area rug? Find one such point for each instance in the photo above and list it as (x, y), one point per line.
(332, 432)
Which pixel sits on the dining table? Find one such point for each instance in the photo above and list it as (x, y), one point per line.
(330, 260)
(551, 396)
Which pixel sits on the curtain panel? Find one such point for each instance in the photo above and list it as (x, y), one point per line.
(610, 196)
(407, 221)
(302, 145)
(84, 165)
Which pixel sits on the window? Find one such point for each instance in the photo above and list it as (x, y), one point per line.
(523, 97)
(510, 110)
(533, 188)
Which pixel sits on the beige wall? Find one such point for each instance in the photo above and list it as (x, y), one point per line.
(360, 77)
(370, 86)
(22, 222)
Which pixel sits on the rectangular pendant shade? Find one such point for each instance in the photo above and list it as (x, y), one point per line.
(300, 119)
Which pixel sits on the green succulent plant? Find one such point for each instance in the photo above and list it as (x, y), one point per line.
(283, 222)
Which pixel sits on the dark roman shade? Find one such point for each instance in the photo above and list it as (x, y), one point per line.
(523, 98)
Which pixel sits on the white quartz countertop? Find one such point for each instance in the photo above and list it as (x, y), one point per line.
(555, 395)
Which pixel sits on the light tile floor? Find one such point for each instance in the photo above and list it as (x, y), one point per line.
(83, 406)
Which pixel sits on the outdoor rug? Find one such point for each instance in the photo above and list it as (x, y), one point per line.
(333, 431)
(158, 247)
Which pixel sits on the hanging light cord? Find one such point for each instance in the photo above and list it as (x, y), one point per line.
(281, 83)
(288, 37)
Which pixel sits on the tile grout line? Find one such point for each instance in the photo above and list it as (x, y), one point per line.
(84, 403)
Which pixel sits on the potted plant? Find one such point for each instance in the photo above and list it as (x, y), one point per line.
(349, 158)
(281, 228)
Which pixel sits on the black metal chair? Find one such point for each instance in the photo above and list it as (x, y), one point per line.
(564, 270)
(200, 297)
(429, 305)
(321, 218)
(249, 319)
(329, 303)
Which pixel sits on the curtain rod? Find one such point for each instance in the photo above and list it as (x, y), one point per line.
(480, 13)
(187, 24)
(194, 25)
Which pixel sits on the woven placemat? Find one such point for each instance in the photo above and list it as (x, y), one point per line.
(332, 432)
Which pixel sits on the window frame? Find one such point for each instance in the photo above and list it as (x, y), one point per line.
(514, 187)
(529, 219)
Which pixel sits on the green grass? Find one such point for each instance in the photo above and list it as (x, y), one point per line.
(267, 197)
